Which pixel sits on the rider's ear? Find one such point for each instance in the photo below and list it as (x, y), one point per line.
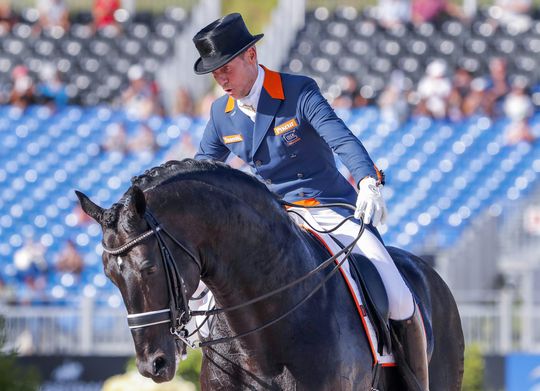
(91, 209)
(137, 204)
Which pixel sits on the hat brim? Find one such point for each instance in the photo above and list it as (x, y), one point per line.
(200, 68)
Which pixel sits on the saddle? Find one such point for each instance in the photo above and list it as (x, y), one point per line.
(371, 290)
(373, 293)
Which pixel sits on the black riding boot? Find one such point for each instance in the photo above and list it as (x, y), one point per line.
(411, 335)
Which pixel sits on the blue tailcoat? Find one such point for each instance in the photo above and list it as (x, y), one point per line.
(290, 145)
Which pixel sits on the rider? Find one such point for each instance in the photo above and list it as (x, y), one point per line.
(283, 127)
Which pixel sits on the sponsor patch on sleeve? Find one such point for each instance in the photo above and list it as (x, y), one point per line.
(285, 127)
(233, 138)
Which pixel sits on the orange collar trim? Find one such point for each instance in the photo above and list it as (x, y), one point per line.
(230, 105)
(272, 84)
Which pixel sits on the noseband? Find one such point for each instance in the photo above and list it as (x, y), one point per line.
(179, 314)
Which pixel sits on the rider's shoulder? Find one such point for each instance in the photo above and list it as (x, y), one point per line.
(297, 82)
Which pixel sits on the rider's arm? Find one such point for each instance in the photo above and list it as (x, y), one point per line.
(318, 112)
(211, 146)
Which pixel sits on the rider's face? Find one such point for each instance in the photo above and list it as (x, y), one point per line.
(238, 75)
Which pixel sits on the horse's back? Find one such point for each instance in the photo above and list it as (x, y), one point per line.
(441, 318)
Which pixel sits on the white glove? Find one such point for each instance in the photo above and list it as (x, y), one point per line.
(370, 205)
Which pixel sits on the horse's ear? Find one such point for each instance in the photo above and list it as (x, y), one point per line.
(91, 209)
(136, 205)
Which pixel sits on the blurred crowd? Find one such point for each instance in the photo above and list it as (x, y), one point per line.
(442, 93)
(53, 19)
(392, 13)
(451, 94)
(459, 95)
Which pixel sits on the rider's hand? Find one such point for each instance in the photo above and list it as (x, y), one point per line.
(370, 205)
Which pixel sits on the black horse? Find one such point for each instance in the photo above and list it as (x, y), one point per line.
(187, 221)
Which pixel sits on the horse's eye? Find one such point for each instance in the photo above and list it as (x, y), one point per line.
(148, 267)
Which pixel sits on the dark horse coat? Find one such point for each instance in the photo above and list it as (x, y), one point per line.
(248, 246)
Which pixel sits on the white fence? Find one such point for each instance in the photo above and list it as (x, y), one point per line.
(498, 327)
(88, 329)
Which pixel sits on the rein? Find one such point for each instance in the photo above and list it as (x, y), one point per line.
(176, 283)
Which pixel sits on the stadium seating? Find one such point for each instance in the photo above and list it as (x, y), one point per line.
(440, 176)
(93, 65)
(333, 44)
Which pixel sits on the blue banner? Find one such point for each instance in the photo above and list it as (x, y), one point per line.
(523, 372)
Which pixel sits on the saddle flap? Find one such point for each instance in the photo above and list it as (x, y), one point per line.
(373, 294)
(372, 283)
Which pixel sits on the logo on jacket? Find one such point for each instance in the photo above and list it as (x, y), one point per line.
(233, 138)
(290, 138)
(285, 127)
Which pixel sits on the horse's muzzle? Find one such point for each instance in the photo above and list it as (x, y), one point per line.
(159, 368)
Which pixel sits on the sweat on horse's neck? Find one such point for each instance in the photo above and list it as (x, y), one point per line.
(247, 246)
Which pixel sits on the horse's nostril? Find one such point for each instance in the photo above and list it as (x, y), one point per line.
(159, 364)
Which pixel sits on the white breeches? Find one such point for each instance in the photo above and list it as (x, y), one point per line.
(400, 299)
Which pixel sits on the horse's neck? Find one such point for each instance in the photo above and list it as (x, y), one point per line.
(248, 247)
(254, 258)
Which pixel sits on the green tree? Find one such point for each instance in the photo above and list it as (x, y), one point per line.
(190, 368)
(12, 376)
(473, 377)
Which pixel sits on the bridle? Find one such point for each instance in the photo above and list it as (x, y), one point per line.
(179, 314)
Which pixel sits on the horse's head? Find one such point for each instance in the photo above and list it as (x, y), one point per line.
(133, 261)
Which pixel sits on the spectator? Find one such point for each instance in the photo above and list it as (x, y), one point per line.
(475, 103)
(393, 13)
(144, 140)
(69, 259)
(350, 93)
(434, 11)
(434, 91)
(512, 14)
(461, 83)
(518, 108)
(393, 102)
(183, 149)
(115, 138)
(205, 104)
(498, 85)
(103, 13)
(183, 104)
(7, 17)
(29, 260)
(82, 218)
(7, 292)
(140, 99)
(53, 13)
(25, 343)
(51, 90)
(23, 91)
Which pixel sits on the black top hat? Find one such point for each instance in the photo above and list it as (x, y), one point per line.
(221, 41)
